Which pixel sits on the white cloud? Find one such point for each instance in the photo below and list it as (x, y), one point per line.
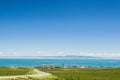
(1, 53)
(43, 53)
(60, 52)
(50, 53)
(63, 53)
(8, 53)
(39, 52)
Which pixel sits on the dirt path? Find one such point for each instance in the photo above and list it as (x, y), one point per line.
(38, 74)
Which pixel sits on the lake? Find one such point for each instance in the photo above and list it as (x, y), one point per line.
(60, 62)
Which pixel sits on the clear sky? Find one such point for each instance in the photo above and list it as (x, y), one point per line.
(59, 27)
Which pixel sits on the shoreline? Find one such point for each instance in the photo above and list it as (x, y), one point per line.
(58, 67)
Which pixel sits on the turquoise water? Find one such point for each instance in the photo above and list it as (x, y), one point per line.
(67, 62)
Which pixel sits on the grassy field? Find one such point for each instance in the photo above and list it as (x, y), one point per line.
(86, 73)
(16, 71)
(12, 71)
(65, 74)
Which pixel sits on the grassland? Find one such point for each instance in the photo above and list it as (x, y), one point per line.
(12, 71)
(22, 73)
(64, 74)
(86, 73)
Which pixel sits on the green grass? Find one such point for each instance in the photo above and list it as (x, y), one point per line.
(65, 74)
(86, 73)
(12, 71)
(16, 71)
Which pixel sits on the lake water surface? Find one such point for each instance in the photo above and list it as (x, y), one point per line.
(67, 62)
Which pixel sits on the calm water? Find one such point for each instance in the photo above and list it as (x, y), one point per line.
(79, 62)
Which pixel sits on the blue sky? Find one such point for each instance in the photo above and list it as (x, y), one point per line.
(59, 27)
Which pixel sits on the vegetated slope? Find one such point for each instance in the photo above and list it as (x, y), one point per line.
(12, 71)
(21, 73)
(86, 73)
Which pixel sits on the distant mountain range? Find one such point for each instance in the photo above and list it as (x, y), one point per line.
(52, 57)
(61, 57)
(72, 57)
